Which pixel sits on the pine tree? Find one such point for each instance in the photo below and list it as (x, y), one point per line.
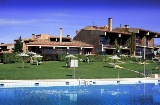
(18, 45)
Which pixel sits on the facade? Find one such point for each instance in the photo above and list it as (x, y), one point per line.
(143, 42)
(105, 39)
(46, 44)
(6, 48)
(124, 40)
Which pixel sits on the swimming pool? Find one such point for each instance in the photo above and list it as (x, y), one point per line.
(97, 93)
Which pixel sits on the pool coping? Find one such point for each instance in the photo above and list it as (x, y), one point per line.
(70, 80)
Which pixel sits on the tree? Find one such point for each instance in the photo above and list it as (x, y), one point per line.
(18, 45)
(117, 46)
(133, 43)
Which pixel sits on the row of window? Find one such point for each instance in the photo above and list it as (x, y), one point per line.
(141, 51)
(49, 50)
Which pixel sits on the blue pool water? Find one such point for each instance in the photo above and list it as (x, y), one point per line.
(115, 94)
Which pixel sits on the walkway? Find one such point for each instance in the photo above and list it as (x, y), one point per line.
(113, 64)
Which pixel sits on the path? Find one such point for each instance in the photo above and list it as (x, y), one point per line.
(113, 64)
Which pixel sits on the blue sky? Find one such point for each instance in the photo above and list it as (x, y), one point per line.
(26, 17)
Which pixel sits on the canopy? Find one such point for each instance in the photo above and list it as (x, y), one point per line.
(31, 53)
(70, 56)
(36, 56)
(22, 55)
(114, 57)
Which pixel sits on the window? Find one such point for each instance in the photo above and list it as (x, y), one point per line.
(103, 40)
(73, 51)
(48, 50)
(61, 50)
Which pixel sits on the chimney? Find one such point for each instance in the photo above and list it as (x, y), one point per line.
(126, 26)
(60, 35)
(110, 24)
(33, 36)
(120, 25)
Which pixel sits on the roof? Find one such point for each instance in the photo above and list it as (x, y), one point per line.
(59, 37)
(121, 30)
(128, 30)
(51, 43)
(9, 44)
(105, 29)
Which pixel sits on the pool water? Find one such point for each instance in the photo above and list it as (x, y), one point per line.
(115, 94)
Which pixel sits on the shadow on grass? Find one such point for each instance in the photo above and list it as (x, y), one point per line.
(109, 66)
(66, 66)
(21, 67)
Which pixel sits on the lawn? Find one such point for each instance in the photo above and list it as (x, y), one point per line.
(57, 70)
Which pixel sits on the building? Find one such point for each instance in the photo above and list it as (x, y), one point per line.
(105, 39)
(142, 41)
(47, 44)
(6, 48)
(123, 40)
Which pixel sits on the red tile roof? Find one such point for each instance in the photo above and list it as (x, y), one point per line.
(6, 44)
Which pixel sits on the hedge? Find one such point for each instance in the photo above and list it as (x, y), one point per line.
(92, 58)
(49, 57)
(12, 58)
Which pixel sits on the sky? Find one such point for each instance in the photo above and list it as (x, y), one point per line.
(26, 17)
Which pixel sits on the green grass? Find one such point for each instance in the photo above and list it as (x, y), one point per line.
(150, 68)
(57, 70)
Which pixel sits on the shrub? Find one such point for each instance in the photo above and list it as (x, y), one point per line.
(62, 57)
(12, 58)
(50, 57)
(1, 57)
(9, 58)
(134, 59)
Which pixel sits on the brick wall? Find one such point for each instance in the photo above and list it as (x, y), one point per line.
(90, 37)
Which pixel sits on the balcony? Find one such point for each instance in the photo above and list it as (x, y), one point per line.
(150, 46)
(142, 45)
(114, 47)
(109, 46)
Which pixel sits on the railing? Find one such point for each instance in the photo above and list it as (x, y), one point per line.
(138, 44)
(109, 46)
(113, 46)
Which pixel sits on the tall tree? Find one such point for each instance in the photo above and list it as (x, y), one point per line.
(18, 45)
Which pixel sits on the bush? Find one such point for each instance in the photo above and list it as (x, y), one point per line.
(50, 57)
(12, 58)
(98, 58)
(134, 59)
(81, 58)
(9, 58)
(1, 57)
(62, 57)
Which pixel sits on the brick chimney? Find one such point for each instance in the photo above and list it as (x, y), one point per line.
(60, 35)
(110, 24)
(33, 36)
